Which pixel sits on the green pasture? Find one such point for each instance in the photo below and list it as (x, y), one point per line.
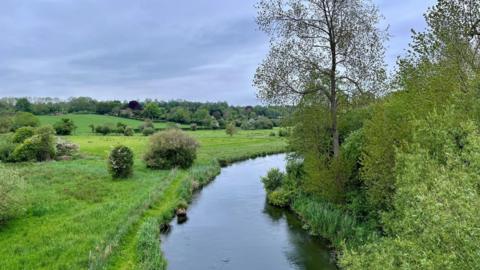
(75, 209)
(82, 121)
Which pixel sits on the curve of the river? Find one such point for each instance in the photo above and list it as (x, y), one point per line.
(230, 226)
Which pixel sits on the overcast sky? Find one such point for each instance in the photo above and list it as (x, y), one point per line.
(201, 50)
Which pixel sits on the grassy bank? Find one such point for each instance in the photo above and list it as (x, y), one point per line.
(330, 222)
(77, 217)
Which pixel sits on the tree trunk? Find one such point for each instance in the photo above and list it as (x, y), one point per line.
(333, 114)
(333, 96)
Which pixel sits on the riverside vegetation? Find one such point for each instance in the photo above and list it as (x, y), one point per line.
(391, 178)
(72, 214)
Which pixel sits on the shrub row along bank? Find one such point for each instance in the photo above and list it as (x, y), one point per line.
(319, 216)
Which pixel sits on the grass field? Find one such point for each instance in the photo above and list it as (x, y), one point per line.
(82, 121)
(77, 217)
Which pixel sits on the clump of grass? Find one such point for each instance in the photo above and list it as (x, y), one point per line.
(11, 194)
(148, 248)
(331, 222)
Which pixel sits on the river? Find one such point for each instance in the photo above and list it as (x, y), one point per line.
(230, 226)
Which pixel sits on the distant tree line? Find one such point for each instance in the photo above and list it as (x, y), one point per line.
(209, 114)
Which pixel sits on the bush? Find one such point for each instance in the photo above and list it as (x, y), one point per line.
(11, 194)
(64, 127)
(231, 129)
(295, 169)
(272, 134)
(6, 123)
(66, 149)
(193, 127)
(146, 124)
(248, 125)
(39, 147)
(148, 131)
(120, 162)
(435, 205)
(214, 124)
(273, 180)
(25, 119)
(263, 122)
(22, 134)
(128, 131)
(279, 197)
(121, 128)
(283, 133)
(171, 148)
(103, 129)
(6, 150)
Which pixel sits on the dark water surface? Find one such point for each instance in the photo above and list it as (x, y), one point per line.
(230, 226)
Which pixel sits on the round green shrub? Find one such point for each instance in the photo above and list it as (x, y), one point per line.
(148, 131)
(146, 124)
(169, 149)
(121, 128)
(22, 134)
(25, 119)
(11, 193)
(231, 129)
(120, 162)
(128, 131)
(64, 127)
(65, 149)
(263, 122)
(103, 129)
(279, 197)
(272, 134)
(39, 147)
(273, 180)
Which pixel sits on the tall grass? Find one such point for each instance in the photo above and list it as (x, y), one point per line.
(99, 257)
(148, 249)
(330, 222)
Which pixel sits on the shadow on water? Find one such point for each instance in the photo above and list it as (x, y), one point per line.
(230, 226)
(308, 252)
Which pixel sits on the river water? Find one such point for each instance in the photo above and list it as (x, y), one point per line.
(230, 226)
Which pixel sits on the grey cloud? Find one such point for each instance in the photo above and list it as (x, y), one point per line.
(195, 50)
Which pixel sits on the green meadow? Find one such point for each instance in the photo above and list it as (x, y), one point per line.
(83, 121)
(77, 217)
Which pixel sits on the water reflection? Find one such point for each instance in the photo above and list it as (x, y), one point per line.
(230, 226)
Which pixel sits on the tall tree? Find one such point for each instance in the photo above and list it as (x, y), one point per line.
(152, 111)
(451, 40)
(334, 43)
(23, 105)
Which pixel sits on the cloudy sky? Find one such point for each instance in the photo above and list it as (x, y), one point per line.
(202, 50)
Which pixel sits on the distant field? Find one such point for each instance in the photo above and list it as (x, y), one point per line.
(75, 208)
(82, 121)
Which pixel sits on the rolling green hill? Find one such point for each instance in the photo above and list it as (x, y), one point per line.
(82, 121)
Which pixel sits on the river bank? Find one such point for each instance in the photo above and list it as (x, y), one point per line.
(237, 229)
